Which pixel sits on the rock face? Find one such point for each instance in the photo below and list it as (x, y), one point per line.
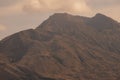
(64, 47)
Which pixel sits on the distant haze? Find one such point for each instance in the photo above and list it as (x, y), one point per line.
(17, 15)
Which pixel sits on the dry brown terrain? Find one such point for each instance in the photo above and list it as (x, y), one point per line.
(64, 47)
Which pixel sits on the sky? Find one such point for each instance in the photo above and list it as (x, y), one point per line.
(17, 15)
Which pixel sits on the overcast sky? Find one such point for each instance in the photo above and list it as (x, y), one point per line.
(17, 15)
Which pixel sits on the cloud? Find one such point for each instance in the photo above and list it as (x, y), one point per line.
(102, 3)
(2, 27)
(11, 9)
(4, 3)
(47, 6)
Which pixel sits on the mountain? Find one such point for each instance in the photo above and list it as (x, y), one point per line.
(13, 72)
(64, 47)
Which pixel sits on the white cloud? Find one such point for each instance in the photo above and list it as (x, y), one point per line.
(12, 9)
(80, 7)
(46, 6)
(2, 27)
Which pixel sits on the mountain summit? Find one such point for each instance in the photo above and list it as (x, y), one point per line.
(64, 47)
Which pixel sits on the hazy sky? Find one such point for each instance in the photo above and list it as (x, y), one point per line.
(17, 15)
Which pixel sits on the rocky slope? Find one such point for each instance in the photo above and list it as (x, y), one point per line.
(66, 47)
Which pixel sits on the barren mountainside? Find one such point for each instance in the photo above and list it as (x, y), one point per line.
(63, 47)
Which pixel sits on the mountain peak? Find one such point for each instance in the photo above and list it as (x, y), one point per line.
(99, 15)
(60, 15)
(61, 22)
(102, 22)
(103, 17)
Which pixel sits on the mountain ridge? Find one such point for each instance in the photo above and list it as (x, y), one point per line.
(67, 47)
